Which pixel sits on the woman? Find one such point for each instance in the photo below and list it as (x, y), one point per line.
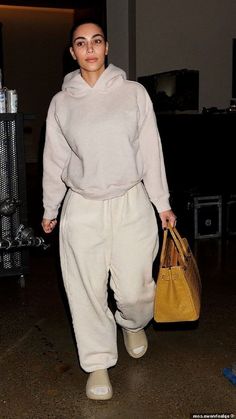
(103, 148)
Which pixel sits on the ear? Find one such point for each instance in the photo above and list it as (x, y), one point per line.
(107, 48)
(72, 53)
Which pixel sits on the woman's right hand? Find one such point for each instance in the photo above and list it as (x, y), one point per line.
(48, 225)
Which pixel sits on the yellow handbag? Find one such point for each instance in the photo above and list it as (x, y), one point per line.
(178, 289)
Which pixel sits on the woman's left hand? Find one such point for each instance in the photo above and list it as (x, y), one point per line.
(167, 217)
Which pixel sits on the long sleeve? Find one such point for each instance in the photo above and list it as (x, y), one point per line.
(55, 157)
(154, 168)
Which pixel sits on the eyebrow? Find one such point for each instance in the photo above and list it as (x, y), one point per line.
(83, 37)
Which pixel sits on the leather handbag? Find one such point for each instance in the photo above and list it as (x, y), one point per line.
(178, 288)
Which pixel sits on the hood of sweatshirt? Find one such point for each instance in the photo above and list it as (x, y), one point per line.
(75, 85)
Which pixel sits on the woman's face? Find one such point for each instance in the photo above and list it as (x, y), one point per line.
(89, 48)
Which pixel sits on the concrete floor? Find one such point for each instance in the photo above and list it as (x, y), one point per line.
(180, 374)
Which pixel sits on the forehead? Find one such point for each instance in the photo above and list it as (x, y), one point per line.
(87, 30)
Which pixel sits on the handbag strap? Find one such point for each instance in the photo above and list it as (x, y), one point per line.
(163, 249)
(178, 242)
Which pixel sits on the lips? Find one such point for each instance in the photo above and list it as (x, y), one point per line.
(91, 60)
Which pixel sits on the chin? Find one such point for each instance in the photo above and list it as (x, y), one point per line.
(94, 66)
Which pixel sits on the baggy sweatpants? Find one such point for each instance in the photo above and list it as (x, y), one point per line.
(119, 236)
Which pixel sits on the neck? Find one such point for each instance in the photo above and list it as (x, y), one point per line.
(91, 77)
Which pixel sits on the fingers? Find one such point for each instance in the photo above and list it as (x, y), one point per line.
(167, 223)
(164, 224)
(48, 225)
(172, 221)
(168, 218)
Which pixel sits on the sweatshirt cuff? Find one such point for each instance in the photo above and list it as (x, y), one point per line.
(161, 204)
(50, 214)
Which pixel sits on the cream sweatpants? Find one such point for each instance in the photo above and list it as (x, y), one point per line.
(117, 235)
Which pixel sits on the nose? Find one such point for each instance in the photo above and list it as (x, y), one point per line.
(90, 46)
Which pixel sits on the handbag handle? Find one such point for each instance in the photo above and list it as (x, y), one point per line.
(178, 242)
(174, 229)
(163, 249)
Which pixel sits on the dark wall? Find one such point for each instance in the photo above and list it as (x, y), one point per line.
(198, 150)
(200, 165)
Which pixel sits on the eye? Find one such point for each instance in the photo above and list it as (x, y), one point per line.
(80, 44)
(98, 41)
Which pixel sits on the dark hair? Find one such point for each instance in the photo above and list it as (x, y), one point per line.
(83, 22)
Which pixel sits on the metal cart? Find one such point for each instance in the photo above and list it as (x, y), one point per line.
(15, 238)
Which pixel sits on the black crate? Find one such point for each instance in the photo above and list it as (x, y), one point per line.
(231, 215)
(207, 216)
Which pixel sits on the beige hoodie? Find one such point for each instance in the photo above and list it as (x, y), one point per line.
(101, 141)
